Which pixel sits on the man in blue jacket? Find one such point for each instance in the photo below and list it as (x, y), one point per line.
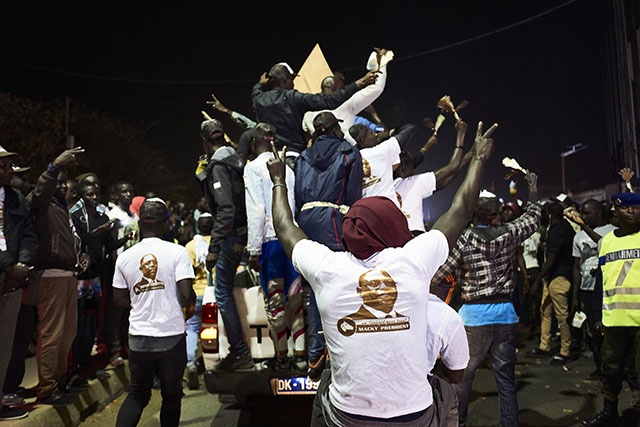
(328, 181)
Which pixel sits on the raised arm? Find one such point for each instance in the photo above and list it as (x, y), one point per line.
(453, 221)
(238, 118)
(448, 173)
(287, 231)
(574, 216)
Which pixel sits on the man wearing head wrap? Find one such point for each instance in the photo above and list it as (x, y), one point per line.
(485, 250)
(381, 359)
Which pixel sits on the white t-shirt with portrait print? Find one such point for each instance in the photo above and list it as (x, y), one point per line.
(378, 365)
(155, 307)
(125, 223)
(380, 159)
(586, 250)
(410, 192)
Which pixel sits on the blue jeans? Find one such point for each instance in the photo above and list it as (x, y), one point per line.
(316, 341)
(144, 365)
(226, 268)
(194, 323)
(499, 342)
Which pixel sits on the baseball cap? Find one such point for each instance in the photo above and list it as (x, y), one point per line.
(263, 131)
(513, 206)
(5, 153)
(154, 209)
(18, 169)
(281, 70)
(626, 199)
(486, 194)
(211, 129)
(324, 121)
(562, 199)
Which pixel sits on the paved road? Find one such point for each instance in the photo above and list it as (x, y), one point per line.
(201, 409)
(548, 396)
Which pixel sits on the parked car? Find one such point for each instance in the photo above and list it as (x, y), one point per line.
(242, 383)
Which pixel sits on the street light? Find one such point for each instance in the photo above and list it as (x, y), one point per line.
(573, 150)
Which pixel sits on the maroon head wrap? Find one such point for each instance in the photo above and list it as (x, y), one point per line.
(373, 224)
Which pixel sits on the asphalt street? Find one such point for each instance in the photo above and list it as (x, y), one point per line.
(548, 396)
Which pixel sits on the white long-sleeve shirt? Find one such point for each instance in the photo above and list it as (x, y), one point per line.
(348, 110)
(258, 191)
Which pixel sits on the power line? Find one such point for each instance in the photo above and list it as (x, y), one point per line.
(490, 33)
(223, 82)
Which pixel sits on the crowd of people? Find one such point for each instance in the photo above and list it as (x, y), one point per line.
(318, 191)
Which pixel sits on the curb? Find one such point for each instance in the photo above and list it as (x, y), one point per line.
(86, 403)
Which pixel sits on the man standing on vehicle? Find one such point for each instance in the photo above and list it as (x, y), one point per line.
(280, 283)
(223, 188)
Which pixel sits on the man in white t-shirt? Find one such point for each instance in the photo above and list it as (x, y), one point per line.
(531, 303)
(154, 278)
(448, 357)
(379, 366)
(411, 189)
(126, 220)
(380, 158)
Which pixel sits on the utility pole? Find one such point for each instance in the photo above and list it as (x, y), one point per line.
(574, 149)
(70, 142)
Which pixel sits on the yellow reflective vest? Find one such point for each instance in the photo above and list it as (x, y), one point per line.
(620, 263)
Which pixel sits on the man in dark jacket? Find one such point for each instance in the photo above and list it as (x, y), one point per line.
(223, 189)
(328, 181)
(18, 249)
(94, 228)
(276, 102)
(56, 268)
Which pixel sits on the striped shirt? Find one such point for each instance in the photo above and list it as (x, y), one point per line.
(484, 256)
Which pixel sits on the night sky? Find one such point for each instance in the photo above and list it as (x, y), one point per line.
(533, 66)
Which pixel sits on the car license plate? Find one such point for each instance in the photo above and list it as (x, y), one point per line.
(295, 385)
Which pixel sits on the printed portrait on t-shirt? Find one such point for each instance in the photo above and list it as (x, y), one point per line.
(367, 179)
(377, 313)
(149, 269)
